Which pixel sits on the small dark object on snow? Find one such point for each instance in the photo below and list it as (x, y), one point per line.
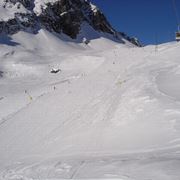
(54, 71)
(1, 74)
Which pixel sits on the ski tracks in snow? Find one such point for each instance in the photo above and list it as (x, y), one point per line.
(129, 104)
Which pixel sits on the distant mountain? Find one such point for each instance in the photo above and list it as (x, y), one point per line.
(59, 16)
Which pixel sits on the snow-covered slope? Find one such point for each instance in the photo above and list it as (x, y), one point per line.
(111, 112)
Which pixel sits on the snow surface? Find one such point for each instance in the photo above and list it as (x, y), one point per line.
(112, 112)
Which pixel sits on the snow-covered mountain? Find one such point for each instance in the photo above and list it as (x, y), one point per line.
(59, 16)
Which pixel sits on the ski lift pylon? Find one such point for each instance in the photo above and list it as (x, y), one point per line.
(177, 19)
(178, 34)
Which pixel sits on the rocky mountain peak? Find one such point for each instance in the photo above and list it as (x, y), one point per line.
(59, 16)
(54, 15)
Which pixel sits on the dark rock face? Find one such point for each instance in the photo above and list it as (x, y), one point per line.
(61, 16)
(99, 22)
(68, 15)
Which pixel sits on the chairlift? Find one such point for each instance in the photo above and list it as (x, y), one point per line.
(178, 34)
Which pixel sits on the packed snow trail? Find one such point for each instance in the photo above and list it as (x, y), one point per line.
(111, 115)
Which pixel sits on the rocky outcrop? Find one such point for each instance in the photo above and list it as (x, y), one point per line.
(136, 42)
(19, 22)
(26, 3)
(62, 16)
(133, 40)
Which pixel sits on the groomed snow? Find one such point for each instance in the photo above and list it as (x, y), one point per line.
(112, 112)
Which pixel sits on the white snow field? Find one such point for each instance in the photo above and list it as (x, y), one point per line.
(112, 112)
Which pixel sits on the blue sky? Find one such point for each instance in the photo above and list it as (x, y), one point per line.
(145, 19)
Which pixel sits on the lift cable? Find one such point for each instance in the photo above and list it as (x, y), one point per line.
(176, 14)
